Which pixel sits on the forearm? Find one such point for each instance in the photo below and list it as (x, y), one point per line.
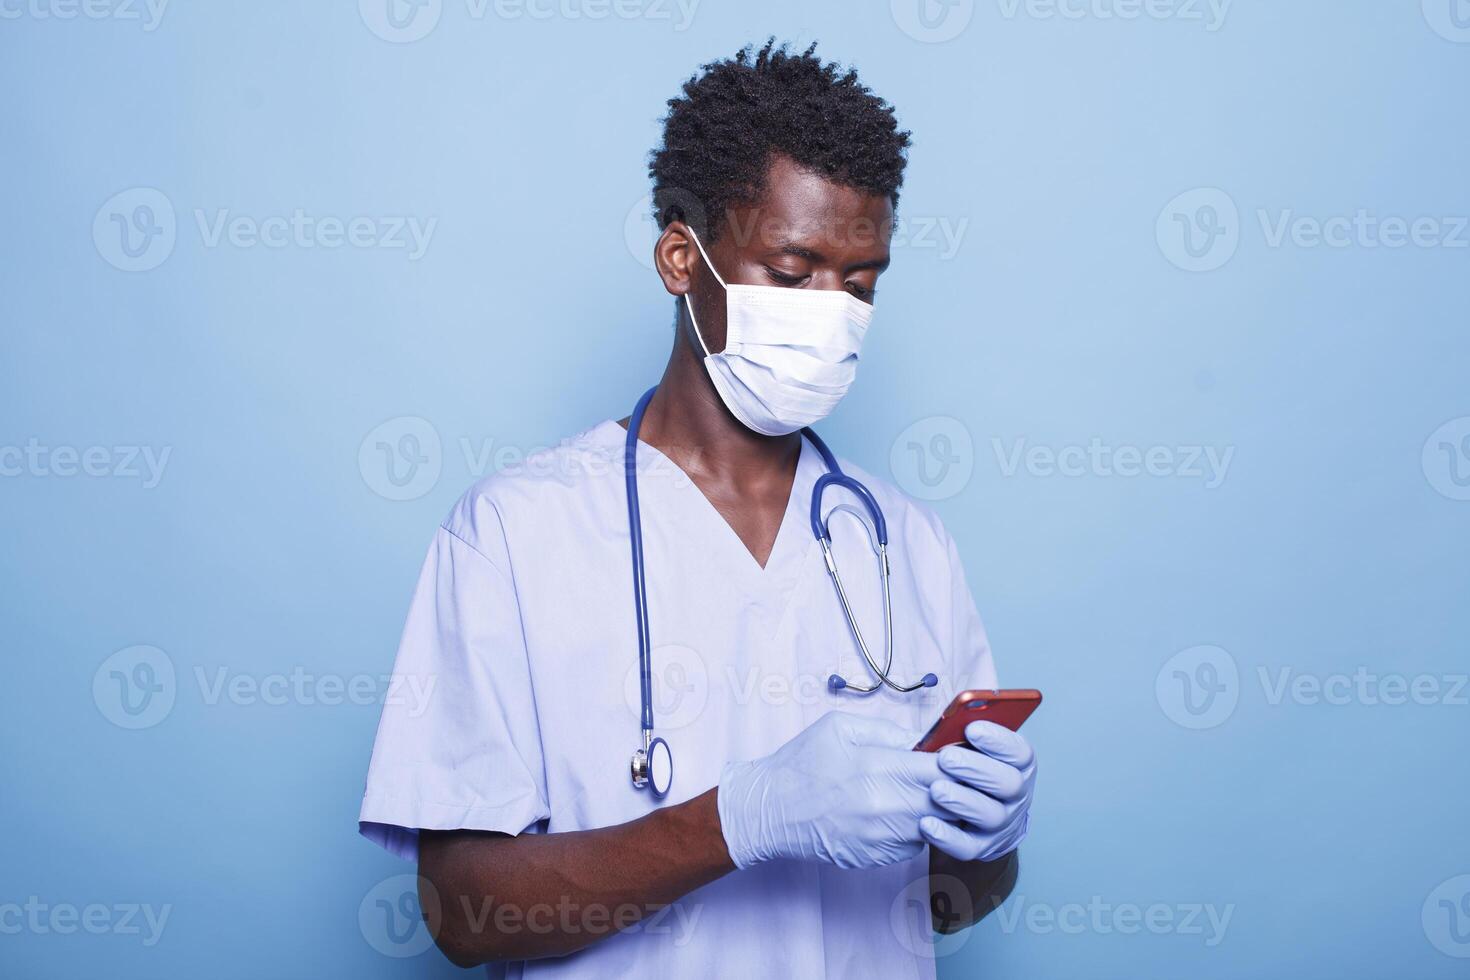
(983, 886)
(538, 895)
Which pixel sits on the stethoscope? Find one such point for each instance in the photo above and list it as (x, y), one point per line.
(653, 764)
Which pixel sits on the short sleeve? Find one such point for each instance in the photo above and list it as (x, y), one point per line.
(974, 668)
(458, 745)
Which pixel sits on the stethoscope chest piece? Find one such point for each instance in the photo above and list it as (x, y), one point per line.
(654, 767)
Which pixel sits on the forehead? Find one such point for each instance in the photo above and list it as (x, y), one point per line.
(798, 205)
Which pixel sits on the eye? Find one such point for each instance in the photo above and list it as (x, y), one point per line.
(782, 278)
(862, 292)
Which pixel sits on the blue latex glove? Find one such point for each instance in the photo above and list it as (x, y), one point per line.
(848, 791)
(986, 793)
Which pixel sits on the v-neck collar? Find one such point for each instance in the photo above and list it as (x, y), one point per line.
(793, 539)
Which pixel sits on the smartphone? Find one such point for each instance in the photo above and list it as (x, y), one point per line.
(1007, 708)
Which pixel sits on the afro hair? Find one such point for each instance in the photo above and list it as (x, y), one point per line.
(734, 116)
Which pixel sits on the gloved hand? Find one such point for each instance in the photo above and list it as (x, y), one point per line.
(986, 793)
(848, 791)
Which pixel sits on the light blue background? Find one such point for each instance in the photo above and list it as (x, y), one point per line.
(1057, 142)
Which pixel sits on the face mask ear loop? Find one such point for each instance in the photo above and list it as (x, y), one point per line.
(699, 334)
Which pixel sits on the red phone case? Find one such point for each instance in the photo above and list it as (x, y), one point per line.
(1009, 708)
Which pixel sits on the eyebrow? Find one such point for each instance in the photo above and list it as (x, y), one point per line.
(812, 255)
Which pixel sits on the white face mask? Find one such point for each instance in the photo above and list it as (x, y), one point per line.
(790, 354)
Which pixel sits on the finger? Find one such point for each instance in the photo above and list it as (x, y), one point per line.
(862, 730)
(945, 836)
(993, 776)
(971, 805)
(1000, 743)
(915, 768)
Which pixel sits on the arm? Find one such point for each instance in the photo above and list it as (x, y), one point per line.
(536, 895)
(846, 791)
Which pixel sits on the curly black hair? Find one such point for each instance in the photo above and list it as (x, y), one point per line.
(734, 115)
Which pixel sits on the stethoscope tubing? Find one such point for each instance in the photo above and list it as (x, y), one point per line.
(833, 477)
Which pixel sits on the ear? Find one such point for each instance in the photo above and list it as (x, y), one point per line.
(675, 256)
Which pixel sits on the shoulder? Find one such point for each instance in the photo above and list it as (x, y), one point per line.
(539, 488)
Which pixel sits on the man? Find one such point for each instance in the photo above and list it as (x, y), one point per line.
(799, 820)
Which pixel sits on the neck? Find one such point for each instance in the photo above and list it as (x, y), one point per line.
(688, 422)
